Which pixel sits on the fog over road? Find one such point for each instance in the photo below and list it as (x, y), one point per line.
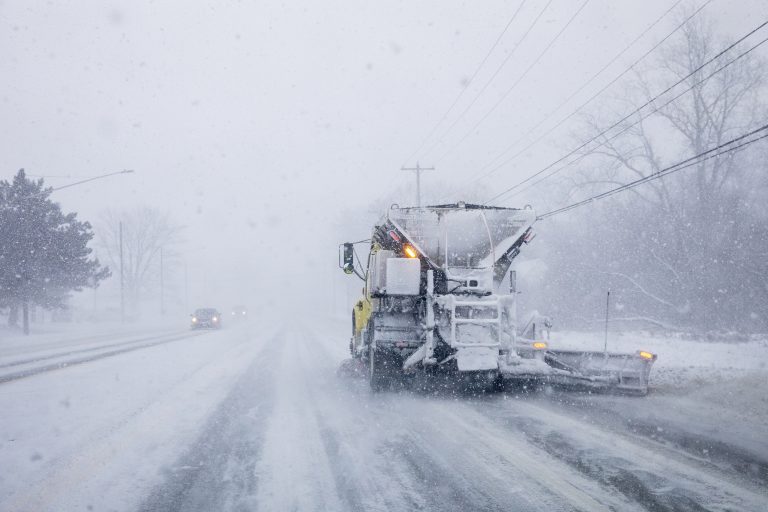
(254, 418)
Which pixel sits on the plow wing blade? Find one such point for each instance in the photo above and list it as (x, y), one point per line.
(620, 372)
(624, 373)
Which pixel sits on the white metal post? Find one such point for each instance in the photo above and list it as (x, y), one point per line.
(429, 356)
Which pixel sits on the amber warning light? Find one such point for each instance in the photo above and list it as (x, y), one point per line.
(410, 251)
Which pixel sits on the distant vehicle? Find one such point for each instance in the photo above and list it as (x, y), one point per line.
(239, 313)
(206, 318)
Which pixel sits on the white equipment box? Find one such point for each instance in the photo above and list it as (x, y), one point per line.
(403, 276)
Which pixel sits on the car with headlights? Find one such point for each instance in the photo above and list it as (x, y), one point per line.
(206, 318)
(239, 313)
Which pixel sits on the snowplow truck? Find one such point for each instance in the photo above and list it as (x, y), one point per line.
(439, 297)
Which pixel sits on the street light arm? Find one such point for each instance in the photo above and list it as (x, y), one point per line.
(124, 171)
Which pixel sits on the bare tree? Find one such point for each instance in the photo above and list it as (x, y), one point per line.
(687, 247)
(145, 232)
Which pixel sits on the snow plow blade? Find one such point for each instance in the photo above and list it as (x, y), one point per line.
(622, 373)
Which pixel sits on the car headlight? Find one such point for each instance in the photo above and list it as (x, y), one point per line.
(215, 319)
(194, 320)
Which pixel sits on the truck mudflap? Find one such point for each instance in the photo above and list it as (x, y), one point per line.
(624, 373)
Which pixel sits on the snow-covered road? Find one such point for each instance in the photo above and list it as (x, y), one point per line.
(257, 419)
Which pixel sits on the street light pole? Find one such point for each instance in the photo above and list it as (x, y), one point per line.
(607, 312)
(162, 288)
(122, 278)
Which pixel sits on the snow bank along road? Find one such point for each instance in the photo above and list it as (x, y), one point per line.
(256, 419)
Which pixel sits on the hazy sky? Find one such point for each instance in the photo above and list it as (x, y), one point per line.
(255, 123)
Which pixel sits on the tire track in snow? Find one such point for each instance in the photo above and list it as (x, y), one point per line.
(437, 461)
(373, 466)
(377, 459)
(344, 429)
(751, 463)
(502, 457)
(71, 350)
(648, 473)
(70, 480)
(66, 341)
(218, 470)
(75, 361)
(377, 462)
(296, 471)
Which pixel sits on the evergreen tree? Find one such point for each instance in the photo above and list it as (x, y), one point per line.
(44, 253)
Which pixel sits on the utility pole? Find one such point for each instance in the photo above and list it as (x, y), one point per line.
(162, 289)
(418, 170)
(607, 310)
(186, 288)
(122, 278)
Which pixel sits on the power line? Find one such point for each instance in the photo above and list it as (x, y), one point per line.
(491, 79)
(471, 80)
(641, 118)
(649, 102)
(583, 86)
(637, 110)
(515, 84)
(688, 162)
